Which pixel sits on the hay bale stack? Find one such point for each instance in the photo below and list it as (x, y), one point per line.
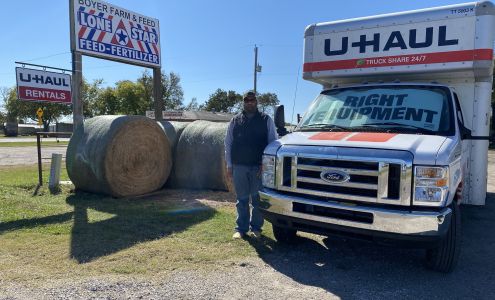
(173, 131)
(200, 158)
(119, 156)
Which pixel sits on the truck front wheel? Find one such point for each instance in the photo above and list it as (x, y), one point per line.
(284, 235)
(444, 258)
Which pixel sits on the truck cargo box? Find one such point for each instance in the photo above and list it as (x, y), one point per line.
(454, 41)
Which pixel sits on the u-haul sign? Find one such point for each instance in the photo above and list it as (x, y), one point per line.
(38, 85)
(447, 37)
(107, 31)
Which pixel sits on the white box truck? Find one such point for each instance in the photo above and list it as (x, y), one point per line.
(398, 137)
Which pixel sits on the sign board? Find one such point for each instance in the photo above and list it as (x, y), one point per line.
(150, 114)
(107, 31)
(166, 114)
(39, 85)
(172, 114)
(39, 113)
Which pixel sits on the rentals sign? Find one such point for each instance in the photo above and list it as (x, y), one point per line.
(39, 85)
(107, 31)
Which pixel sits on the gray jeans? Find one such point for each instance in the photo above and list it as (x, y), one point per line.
(247, 183)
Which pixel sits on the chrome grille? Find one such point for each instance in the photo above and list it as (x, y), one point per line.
(379, 178)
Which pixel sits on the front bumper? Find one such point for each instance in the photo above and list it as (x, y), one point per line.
(285, 210)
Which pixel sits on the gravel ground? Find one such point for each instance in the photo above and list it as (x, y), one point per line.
(28, 155)
(314, 268)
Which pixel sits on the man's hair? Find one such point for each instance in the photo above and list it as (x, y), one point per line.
(249, 94)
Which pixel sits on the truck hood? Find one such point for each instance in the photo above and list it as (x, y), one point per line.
(423, 147)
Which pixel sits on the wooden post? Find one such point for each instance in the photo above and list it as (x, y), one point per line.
(157, 93)
(77, 105)
(54, 182)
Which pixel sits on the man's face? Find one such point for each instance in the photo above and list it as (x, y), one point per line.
(250, 104)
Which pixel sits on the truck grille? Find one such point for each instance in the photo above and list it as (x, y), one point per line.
(367, 180)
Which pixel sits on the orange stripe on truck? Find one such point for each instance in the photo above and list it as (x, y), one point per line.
(330, 136)
(401, 60)
(371, 137)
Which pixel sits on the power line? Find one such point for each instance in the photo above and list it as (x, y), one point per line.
(49, 56)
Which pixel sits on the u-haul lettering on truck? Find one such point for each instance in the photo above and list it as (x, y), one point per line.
(378, 42)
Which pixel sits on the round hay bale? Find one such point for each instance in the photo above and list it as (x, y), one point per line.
(119, 156)
(173, 130)
(200, 157)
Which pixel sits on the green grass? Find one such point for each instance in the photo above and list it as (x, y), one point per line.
(79, 235)
(27, 144)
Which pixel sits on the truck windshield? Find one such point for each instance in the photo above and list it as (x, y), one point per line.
(408, 108)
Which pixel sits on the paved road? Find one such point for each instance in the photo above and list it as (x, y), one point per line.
(30, 139)
(10, 156)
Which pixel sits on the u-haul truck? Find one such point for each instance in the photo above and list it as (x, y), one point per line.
(397, 138)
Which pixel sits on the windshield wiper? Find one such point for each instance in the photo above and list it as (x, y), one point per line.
(421, 129)
(319, 126)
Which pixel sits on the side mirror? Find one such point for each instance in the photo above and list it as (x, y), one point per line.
(279, 119)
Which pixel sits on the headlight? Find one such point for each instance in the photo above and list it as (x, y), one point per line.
(431, 185)
(268, 174)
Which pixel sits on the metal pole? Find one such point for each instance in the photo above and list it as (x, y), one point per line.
(77, 105)
(40, 175)
(255, 66)
(157, 93)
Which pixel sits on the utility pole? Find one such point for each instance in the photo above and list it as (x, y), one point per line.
(257, 68)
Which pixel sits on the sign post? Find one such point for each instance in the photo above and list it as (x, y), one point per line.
(157, 93)
(77, 109)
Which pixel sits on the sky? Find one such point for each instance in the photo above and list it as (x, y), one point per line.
(209, 44)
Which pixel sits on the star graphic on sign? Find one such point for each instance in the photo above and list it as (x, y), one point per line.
(122, 36)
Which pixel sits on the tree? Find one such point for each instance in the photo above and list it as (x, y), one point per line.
(193, 105)
(24, 109)
(172, 93)
(3, 115)
(130, 96)
(266, 102)
(107, 103)
(3, 119)
(90, 93)
(223, 101)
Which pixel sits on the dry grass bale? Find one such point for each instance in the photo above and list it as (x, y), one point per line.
(119, 156)
(200, 158)
(173, 130)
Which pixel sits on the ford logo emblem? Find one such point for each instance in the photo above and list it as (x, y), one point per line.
(334, 176)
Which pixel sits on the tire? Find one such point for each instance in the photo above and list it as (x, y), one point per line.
(284, 235)
(444, 258)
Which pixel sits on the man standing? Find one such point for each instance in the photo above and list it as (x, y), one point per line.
(248, 134)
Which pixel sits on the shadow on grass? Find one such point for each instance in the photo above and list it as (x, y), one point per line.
(35, 222)
(353, 269)
(132, 221)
